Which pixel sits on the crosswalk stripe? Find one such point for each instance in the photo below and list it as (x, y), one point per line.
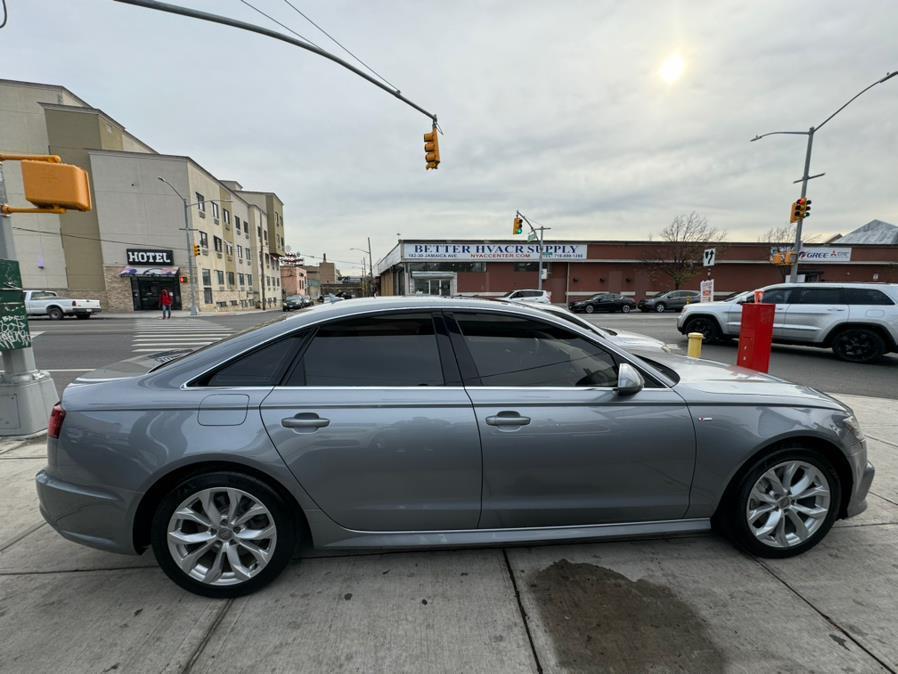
(153, 337)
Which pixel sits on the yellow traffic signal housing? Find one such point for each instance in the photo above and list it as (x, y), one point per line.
(50, 185)
(432, 149)
(795, 213)
(196, 249)
(804, 206)
(518, 225)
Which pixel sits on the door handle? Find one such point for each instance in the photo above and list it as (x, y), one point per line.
(835, 309)
(508, 419)
(305, 420)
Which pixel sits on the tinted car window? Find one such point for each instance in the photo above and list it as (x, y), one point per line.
(514, 351)
(262, 367)
(866, 296)
(776, 296)
(816, 296)
(387, 350)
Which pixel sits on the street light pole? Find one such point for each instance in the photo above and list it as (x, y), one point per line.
(188, 232)
(793, 276)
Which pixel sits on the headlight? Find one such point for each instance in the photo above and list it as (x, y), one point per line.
(851, 423)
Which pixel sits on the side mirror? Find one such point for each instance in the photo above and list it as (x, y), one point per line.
(629, 381)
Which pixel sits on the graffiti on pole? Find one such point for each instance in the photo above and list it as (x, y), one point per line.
(13, 317)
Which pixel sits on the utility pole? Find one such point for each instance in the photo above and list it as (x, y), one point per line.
(539, 237)
(188, 232)
(370, 267)
(26, 393)
(793, 276)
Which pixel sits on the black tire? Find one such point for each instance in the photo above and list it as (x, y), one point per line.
(625, 309)
(82, 317)
(731, 518)
(55, 314)
(281, 514)
(660, 307)
(707, 326)
(589, 309)
(858, 345)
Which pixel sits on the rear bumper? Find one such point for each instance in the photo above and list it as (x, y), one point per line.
(83, 310)
(93, 517)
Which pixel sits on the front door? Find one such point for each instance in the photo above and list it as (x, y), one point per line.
(560, 447)
(433, 283)
(147, 291)
(813, 311)
(777, 296)
(376, 427)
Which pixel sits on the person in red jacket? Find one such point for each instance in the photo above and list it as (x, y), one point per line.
(166, 300)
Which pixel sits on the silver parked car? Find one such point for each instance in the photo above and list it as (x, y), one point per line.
(425, 422)
(626, 339)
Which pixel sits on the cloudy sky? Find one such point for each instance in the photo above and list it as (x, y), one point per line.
(554, 108)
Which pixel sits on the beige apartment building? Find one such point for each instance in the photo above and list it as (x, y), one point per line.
(133, 244)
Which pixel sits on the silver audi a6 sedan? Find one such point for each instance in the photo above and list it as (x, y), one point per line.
(426, 422)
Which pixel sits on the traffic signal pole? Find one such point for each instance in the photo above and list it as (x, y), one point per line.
(539, 237)
(191, 260)
(26, 393)
(793, 276)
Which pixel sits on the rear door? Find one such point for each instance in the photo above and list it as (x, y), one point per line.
(375, 425)
(777, 296)
(560, 447)
(813, 311)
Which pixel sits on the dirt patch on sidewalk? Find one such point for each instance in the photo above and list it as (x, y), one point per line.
(599, 620)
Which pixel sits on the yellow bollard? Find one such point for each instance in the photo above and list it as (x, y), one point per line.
(695, 344)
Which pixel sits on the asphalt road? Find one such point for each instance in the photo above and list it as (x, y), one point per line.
(70, 347)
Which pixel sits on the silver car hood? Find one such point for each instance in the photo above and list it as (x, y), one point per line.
(708, 382)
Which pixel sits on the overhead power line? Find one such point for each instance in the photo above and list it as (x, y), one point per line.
(339, 44)
(282, 25)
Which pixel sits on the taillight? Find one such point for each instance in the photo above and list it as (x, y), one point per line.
(57, 416)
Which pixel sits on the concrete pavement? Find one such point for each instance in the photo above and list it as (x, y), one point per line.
(678, 604)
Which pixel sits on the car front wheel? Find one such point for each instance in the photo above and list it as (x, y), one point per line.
(783, 505)
(222, 534)
(660, 308)
(625, 309)
(858, 345)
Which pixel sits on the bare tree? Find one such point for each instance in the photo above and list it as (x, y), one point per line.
(785, 234)
(679, 256)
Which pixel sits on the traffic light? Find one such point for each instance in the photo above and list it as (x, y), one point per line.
(518, 225)
(432, 149)
(196, 249)
(184, 279)
(795, 213)
(805, 206)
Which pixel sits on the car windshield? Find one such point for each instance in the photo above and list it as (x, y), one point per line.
(600, 296)
(294, 298)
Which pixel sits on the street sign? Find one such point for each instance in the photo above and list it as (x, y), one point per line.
(709, 257)
(13, 318)
(707, 290)
(531, 237)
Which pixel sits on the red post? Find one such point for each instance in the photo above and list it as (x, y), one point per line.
(756, 336)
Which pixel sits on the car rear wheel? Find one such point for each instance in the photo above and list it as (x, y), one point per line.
(590, 309)
(55, 314)
(858, 345)
(706, 326)
(222, 534)
(660, 307)
(625, 308)
(783, 505)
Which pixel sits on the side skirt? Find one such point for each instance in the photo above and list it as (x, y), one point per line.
(329, 537)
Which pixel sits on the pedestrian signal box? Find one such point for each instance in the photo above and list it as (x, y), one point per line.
(52, 185)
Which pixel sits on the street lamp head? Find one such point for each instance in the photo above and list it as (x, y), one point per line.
(888, 76)
(757, 137)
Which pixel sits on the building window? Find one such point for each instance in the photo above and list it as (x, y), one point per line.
(215, 210)
(204, 242)
(260, 231)
(526, 266)
(207, 295)
(201, 202)
(239, 251)
(220, 276)
(227, 217)
(265, 236)
(230, 249)
(249, 279)
(230, 279)
(207, 277)
(217, 242)
(241, 279)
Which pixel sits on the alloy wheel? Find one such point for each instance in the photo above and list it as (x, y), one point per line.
(660, 308)
(788, 504)
(857, 345)
(221, 536)
(625, 308)
(589, 308)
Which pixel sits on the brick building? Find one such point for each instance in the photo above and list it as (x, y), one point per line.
(577, 269)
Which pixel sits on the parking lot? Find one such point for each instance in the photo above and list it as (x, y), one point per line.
(684, 604)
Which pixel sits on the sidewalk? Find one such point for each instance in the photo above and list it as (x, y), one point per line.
(175, 314)
(681, 604)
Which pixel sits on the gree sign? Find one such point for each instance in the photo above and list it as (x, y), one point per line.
(824, 254)
(499, 252)
(150, 256)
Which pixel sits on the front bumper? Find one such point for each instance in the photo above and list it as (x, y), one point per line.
(857, 503)
(93, 517)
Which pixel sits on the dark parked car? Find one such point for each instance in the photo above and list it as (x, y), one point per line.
(294, 302)
(603, 302)
(672, 300)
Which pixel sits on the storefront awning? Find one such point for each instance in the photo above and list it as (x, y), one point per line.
(149, 271)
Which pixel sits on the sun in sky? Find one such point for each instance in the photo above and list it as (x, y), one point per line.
(672, 68)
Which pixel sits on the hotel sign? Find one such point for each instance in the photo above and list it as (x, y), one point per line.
(150, 256)
(494, 252)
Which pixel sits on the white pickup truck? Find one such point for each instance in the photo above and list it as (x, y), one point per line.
(50, 304)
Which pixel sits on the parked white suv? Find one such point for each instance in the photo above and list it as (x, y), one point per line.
(538, 296)
(859, 321)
